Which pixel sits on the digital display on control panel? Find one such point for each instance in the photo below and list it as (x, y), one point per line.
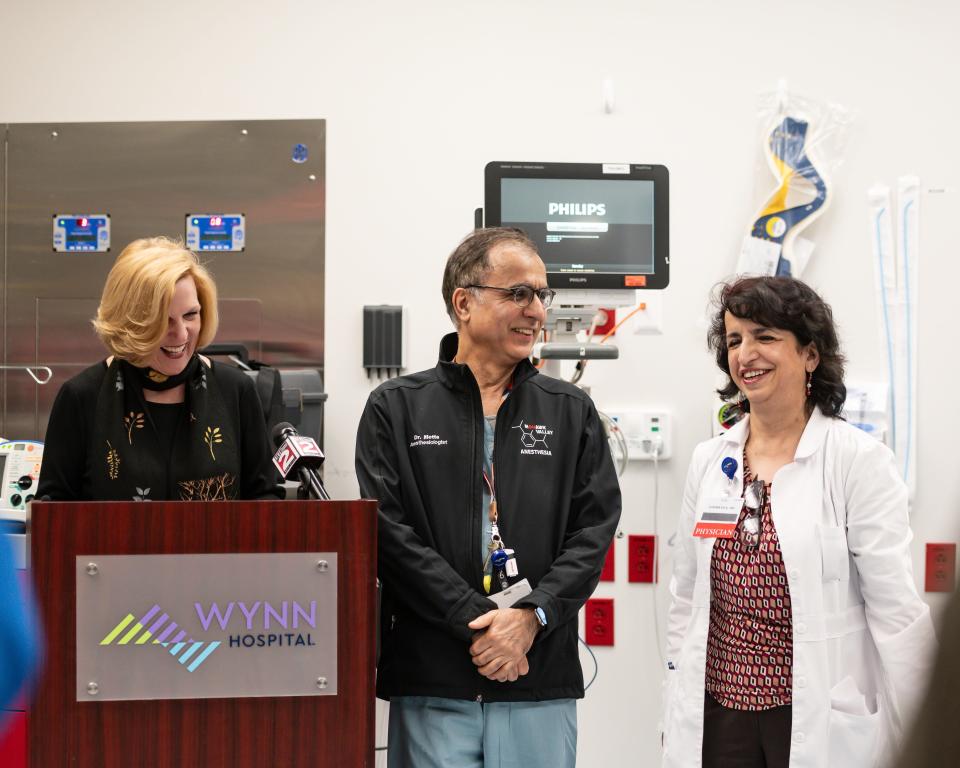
(81, 232)
(216, 231)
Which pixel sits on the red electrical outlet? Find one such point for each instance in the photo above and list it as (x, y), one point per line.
(603, 330)
(598, 621)
(941, 567)
(642, 559)
(607, 573)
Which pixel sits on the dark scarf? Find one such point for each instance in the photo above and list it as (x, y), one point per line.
(128, 462)
(158, 382)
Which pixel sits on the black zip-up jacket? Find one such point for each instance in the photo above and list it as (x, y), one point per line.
(420, 453)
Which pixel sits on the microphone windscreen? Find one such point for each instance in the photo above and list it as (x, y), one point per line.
(281, 432)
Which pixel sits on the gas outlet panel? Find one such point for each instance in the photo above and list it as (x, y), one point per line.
(648, 433)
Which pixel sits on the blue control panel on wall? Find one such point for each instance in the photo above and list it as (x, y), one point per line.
(81, 232)
(216, 231)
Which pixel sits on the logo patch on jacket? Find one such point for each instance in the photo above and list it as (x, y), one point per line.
(419, 440)
(533, 438)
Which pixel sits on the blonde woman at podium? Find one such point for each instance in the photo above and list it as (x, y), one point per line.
(155, 420)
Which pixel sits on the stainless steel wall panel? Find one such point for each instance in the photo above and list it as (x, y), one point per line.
(63, 332)
(241, 321)
(148, 177)
(3, 272)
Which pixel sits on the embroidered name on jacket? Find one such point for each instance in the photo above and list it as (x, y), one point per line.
(533, 438)
(419, 440)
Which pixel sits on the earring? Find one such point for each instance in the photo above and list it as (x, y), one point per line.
(809, 382)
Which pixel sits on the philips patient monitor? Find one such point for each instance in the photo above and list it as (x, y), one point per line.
(596, 225)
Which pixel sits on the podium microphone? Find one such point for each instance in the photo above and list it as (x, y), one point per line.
(298, 455)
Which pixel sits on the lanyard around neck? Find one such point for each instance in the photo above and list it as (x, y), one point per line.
(490, 480)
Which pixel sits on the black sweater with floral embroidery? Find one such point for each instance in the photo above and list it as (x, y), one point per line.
(65, 474)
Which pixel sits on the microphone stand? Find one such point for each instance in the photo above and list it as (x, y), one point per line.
(311, 487)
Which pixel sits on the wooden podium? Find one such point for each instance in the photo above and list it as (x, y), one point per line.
(319, 730)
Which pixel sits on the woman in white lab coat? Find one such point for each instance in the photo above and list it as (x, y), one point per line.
(796, 636)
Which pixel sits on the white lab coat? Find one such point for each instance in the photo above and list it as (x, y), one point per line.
(862, 637)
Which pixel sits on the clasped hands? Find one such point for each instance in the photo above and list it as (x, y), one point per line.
(503, 638)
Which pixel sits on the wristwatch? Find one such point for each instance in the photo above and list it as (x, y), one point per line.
(541, 617)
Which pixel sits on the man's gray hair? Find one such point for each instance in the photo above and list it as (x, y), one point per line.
(470, 262)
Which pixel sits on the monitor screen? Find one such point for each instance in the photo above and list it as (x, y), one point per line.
(595, 225)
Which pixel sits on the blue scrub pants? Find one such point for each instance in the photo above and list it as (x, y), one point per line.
(432, 732)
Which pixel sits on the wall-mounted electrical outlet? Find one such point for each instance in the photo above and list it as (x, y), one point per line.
(598, 621)
(941, 573)
(642, 559)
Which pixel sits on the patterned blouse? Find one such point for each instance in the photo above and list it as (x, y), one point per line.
(750, 643)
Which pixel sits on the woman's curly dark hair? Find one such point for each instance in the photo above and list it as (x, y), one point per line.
(786, 304)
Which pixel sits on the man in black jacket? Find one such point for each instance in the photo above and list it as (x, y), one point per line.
(487, 473)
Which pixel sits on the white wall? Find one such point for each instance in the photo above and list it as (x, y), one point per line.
(419, 96)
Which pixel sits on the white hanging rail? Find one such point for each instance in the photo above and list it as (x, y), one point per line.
(42, 369)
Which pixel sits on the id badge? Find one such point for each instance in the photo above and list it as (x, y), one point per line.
(717, 517)
(511, 594)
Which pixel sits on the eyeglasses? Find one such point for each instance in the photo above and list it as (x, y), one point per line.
(754, 498)
(523, 294)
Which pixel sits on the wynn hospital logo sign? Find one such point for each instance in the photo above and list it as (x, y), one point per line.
(280, 639)
(191, 653)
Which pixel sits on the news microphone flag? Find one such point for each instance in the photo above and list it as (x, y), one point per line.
(297, 451)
